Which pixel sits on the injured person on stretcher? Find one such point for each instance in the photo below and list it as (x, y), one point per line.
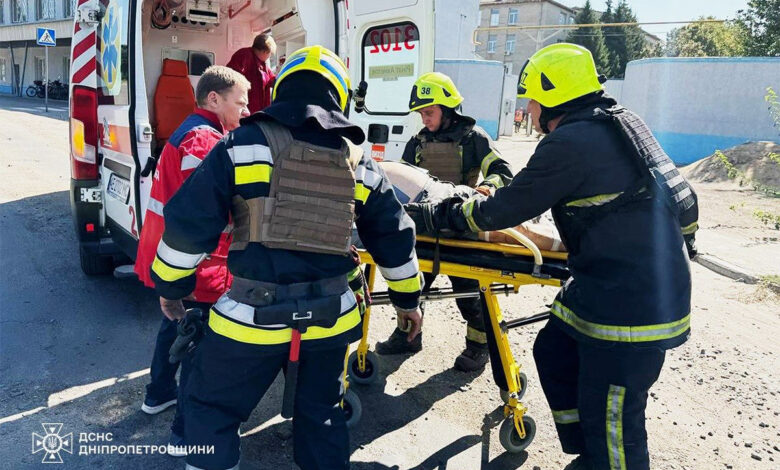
(414, 184)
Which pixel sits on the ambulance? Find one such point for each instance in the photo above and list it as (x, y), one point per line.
(135, 63)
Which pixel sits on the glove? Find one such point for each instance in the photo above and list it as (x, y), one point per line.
(690, 245)
(424, 216)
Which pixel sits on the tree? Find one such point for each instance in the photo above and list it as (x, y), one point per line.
(706, 40)
(591, 38)
(762, 24)
(624, 43)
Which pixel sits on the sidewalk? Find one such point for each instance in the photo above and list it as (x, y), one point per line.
(58, 109)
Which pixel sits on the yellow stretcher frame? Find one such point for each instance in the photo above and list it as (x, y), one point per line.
(514, 410)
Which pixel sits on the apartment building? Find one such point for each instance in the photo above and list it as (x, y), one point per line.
(496, 40)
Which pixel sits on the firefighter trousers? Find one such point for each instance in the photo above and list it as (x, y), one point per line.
(471, 308)
(598, 396)
(227, 380)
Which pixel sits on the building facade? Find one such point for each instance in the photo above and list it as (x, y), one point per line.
(498, 39)
(21, 60)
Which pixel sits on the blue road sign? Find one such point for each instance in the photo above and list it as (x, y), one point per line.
(46, 37)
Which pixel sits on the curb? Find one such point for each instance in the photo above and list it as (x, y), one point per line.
(724, 268)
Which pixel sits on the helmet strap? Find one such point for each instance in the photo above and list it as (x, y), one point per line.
(547, 115)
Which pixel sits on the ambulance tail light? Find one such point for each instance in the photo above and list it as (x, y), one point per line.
(83, 133)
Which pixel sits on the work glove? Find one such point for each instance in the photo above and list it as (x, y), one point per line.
(189, 331)
(437, 217)
(424, 216)
(690, 245)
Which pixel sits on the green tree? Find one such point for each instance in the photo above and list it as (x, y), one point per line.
(624, 43)
(706, 40)
(591, 38)
(761, 21)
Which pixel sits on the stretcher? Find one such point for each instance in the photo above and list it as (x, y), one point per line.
(500, 269)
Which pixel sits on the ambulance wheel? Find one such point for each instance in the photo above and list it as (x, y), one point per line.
(94, 264)
(367, 376)
(353, 410)
(520, 393)
(509, 438)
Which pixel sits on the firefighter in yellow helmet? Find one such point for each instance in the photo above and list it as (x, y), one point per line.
(626, 217)
(453, 148)
(292, 180)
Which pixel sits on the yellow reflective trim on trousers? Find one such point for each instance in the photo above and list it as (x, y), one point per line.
(467, 209)
(361, 192)
(253, 335)
(352, 275)
(566, 416)
(169, 274)
(689, 229)
(473, 334)
(597, 200)
(408, 286)
(615, 449)
(487, 161)
(623, 334)
(495, 180)
(257, 173)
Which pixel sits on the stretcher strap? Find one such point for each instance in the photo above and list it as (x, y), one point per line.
(436, 257)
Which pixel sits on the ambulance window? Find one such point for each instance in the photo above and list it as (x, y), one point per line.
(391, 58)
(112, 50)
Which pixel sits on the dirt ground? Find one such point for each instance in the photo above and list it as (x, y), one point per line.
(74, 349)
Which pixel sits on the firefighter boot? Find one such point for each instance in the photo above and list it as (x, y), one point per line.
(398, 344)
(580, 463)
(473, 358)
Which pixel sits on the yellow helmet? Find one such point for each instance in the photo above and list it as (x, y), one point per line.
(434, 88)
(558, 73)
(321, 60)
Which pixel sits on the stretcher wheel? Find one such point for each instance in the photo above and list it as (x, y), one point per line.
(520, 393)
(367, 376)
(353, 410)
(509, 438)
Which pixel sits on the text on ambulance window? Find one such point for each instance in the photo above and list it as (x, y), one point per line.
(111, 44)
(391, 58)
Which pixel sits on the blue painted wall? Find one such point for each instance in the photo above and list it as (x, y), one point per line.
(698, 105)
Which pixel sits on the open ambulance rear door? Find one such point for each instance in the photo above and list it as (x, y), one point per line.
(391, 44)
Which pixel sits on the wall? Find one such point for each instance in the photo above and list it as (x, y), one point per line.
(614, 88)
(57, 68)
(482, 98)
(455, 21)
(698, 105)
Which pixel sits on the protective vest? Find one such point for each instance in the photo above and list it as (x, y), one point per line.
(310, 205)
(445, 161)
(659, 177)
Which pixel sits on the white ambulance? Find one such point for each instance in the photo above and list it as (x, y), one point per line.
(134, 64)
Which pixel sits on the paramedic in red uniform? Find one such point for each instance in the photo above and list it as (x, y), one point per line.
(252, 63)
(221, 97)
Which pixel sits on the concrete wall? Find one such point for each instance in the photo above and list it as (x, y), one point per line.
(482, 98)
(698, 105)
(615, 89)
(455, 21)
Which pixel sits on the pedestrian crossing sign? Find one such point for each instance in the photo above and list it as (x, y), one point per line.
(46, 37)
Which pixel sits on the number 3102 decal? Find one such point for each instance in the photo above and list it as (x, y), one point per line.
(393, 39)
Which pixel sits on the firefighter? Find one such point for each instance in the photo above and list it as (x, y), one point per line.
(453, 148)
(627, 218)
(221, 97)
(294, 180)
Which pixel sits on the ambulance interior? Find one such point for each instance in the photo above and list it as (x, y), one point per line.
(181, 38)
